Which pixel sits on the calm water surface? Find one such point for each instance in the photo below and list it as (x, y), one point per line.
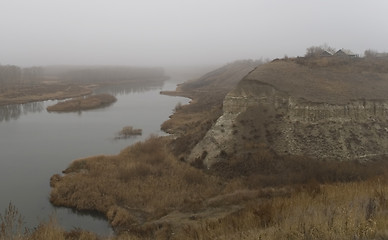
(35, 144)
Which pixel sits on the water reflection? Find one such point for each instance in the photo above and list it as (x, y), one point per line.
(41, 144)
(14, 111)
(132, 87)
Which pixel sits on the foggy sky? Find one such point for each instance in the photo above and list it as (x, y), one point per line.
(183, 32)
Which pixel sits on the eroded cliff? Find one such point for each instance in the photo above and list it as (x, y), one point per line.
(299, 110)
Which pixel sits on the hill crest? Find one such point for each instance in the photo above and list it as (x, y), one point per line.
(336, 110)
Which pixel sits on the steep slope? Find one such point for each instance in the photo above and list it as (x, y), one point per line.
(223, 78)
(321, 108)
(190, 123)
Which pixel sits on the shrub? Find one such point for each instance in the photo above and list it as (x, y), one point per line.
(193, 177)
(11, 223)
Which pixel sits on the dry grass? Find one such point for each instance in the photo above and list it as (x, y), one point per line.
(128, 131)
(261, 167)
(191, 122)
(330, 80)
(339, 211)
(64, 82)
(42, 92)
(191, 126)
(155, 196)
(51, 230)
(11, 223)
(353, 210)
(147, 193)
(83, 103)
(11, 228)
(148, 183)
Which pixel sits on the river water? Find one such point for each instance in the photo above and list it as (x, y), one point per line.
(35, 144)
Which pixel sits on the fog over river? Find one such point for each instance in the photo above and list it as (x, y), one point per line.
(35, 144)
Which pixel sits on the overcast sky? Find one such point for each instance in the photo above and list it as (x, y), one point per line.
(156, 32)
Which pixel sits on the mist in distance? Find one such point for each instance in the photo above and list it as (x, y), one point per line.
(176, 32)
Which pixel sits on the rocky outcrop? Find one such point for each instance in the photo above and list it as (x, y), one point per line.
(260, 113)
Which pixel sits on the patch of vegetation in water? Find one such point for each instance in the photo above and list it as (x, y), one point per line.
(83, 103)
(128, 131)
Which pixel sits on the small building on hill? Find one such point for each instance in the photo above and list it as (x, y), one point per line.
(345, 53)
(325, 54)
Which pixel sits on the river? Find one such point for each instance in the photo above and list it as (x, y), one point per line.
(35, 144)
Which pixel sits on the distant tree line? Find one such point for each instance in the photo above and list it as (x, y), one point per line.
(11, 76)
(375, 54)
(111, 74)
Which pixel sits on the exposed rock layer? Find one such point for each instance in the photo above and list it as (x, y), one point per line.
(259, 112)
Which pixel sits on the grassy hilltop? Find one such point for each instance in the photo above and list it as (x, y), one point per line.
(334, 80)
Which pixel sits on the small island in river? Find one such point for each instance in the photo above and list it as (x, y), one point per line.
(83, 103)
(128, 131)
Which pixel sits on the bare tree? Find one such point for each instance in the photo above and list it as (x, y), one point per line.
(373, 54)
(10, 75)
(316, 51)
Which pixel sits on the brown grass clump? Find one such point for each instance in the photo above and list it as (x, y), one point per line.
(155, 196)
(142, 183)
(78, 104)
(353, 210)
(128, 131)
(52, 230)
(261, 167)
(11, 228)
(340, 211)
(11, 223)
(48, 230)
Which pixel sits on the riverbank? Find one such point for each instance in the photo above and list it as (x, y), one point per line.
(64, 137)
(355, 210)
(152, 167)
(83, 103)
(62, 82)
(158, 195)
(42, 92)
